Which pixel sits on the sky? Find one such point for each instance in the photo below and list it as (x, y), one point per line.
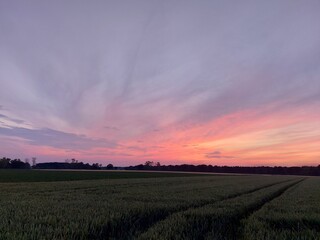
(221, 82)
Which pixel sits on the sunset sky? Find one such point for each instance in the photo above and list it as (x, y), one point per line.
(125, 81)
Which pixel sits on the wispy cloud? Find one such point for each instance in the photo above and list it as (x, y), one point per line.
(217, 154)
(56, 139)
(112, 128)
(18, 121)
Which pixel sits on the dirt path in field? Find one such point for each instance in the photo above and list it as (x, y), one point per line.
(213, 202)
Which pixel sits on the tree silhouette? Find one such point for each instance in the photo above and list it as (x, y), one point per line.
(109, 166)
(34, 161)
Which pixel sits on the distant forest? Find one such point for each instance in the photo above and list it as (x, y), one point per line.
(14, 164)
(7, 163)
(305, 170)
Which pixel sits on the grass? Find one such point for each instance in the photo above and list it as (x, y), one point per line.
(9, 175)
(184, 207)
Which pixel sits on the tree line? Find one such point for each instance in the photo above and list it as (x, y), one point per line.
(7, 163)
(14, 163)
(277, 170)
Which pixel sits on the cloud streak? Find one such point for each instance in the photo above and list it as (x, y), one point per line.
(217, 154)
(18, 121)
(56, 139)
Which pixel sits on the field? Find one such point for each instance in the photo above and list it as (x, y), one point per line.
(122, 205)
(53, 176)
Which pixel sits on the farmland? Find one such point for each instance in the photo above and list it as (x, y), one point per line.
(155, 206)
(9, 175)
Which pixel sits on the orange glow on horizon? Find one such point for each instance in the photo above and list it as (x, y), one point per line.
(249, 137)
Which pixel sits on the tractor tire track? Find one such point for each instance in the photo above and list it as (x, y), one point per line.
(233, 229)
(278, 194)
(207, 203)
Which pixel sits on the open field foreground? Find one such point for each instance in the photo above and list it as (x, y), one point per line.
(181, 207)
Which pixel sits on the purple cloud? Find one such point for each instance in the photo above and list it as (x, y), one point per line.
(18, 121)
(112, 128)
(217, 154)
(56, 139)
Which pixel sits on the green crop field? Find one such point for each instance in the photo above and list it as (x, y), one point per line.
(128, 205)
(8, 175)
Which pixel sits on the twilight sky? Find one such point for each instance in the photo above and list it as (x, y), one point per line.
(221, 82)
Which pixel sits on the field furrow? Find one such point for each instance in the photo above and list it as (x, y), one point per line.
(294, 215)
(219, 220)
(212, 201)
